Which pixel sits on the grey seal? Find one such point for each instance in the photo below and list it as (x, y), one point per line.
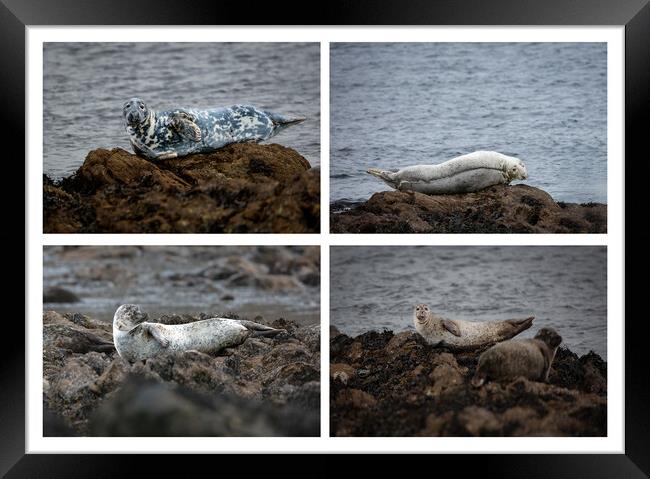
(463, 174)
(530, 358)
(136, 339)
(465, 335)
(182, 131)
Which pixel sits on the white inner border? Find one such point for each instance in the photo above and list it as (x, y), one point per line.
(613, 36)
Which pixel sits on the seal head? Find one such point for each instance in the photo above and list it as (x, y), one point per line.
(550, 337)
(421, 313)
(135, 112)
(515, 169)
(127, 316)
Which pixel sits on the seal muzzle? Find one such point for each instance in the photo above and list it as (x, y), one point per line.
(421, 312)
(135, 112)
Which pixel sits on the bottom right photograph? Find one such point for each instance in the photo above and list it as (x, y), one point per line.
(468, 341)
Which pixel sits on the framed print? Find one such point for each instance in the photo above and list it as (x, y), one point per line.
(397, 229)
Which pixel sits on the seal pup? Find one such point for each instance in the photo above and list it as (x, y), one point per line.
(530, 358)
(465, 335)
(182, 131)
(137, 339)
(463, 174)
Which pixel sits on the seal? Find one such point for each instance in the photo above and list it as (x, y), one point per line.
(463, 174)
(136, 339)
(159, 135)
(465, 335)
(530, 358)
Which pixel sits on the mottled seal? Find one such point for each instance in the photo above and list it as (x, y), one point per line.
(463, 174)
(137, 339)
(530, 358)
(465, 335)
(182, 131)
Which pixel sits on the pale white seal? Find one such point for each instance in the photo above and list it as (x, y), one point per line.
(136, 339)
(528, 358)
(463, 174)
(465, 335)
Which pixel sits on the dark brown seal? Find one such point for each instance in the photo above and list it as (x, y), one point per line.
(529, 358)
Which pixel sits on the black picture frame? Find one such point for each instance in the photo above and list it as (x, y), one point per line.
(15, 15)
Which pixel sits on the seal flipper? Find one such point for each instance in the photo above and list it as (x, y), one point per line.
(451, 326)
(521, 324)
(184, 124)
(153, 331)
(384, 175)
(282, 121)
(258, 329)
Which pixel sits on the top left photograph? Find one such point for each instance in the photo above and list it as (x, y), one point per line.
(181, 137)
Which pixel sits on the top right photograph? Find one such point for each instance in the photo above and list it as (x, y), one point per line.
(468, 137)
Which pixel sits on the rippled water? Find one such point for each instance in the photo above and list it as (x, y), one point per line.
(400, 104)
(86, 84)
(563, 287)
(167, 280)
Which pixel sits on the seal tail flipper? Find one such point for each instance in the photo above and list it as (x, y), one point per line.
(258, 329)
(267, 334)
(384, 175)
(253, 326)
(521, 324)
(280, 122)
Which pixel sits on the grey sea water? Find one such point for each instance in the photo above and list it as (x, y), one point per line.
(168, 280)
(86, 84)
(400, 104)
(372, 288)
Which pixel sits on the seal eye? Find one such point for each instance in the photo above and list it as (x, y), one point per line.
(142, 107)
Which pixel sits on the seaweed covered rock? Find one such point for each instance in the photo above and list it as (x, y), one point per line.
(385, 384)
(266, 386)
(498, 209)
(238, 189)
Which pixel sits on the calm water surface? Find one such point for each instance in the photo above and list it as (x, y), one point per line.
(167, 280)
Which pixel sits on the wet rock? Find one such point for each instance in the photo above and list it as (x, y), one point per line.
(409, 388)
(498, 209)
(355, 398)
(88, 386)
(478, 421)
(59, 295)
(149, 408)
(341, 372)
(238, 189)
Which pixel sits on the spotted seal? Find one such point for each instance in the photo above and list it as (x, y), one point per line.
(465, 335)
(530, 358)
(179, 132)
(137, 339)
(463, 174)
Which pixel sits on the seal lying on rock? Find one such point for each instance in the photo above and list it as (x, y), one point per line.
(137, 339)
(180, 132)
(530, 358)
(463, 174)
(465, 335)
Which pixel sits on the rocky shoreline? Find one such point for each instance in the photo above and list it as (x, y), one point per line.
(264, 387)
(387, 384)
(498, 209)
(242, 188)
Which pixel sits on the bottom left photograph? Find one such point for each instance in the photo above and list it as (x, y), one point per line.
(181, 341)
